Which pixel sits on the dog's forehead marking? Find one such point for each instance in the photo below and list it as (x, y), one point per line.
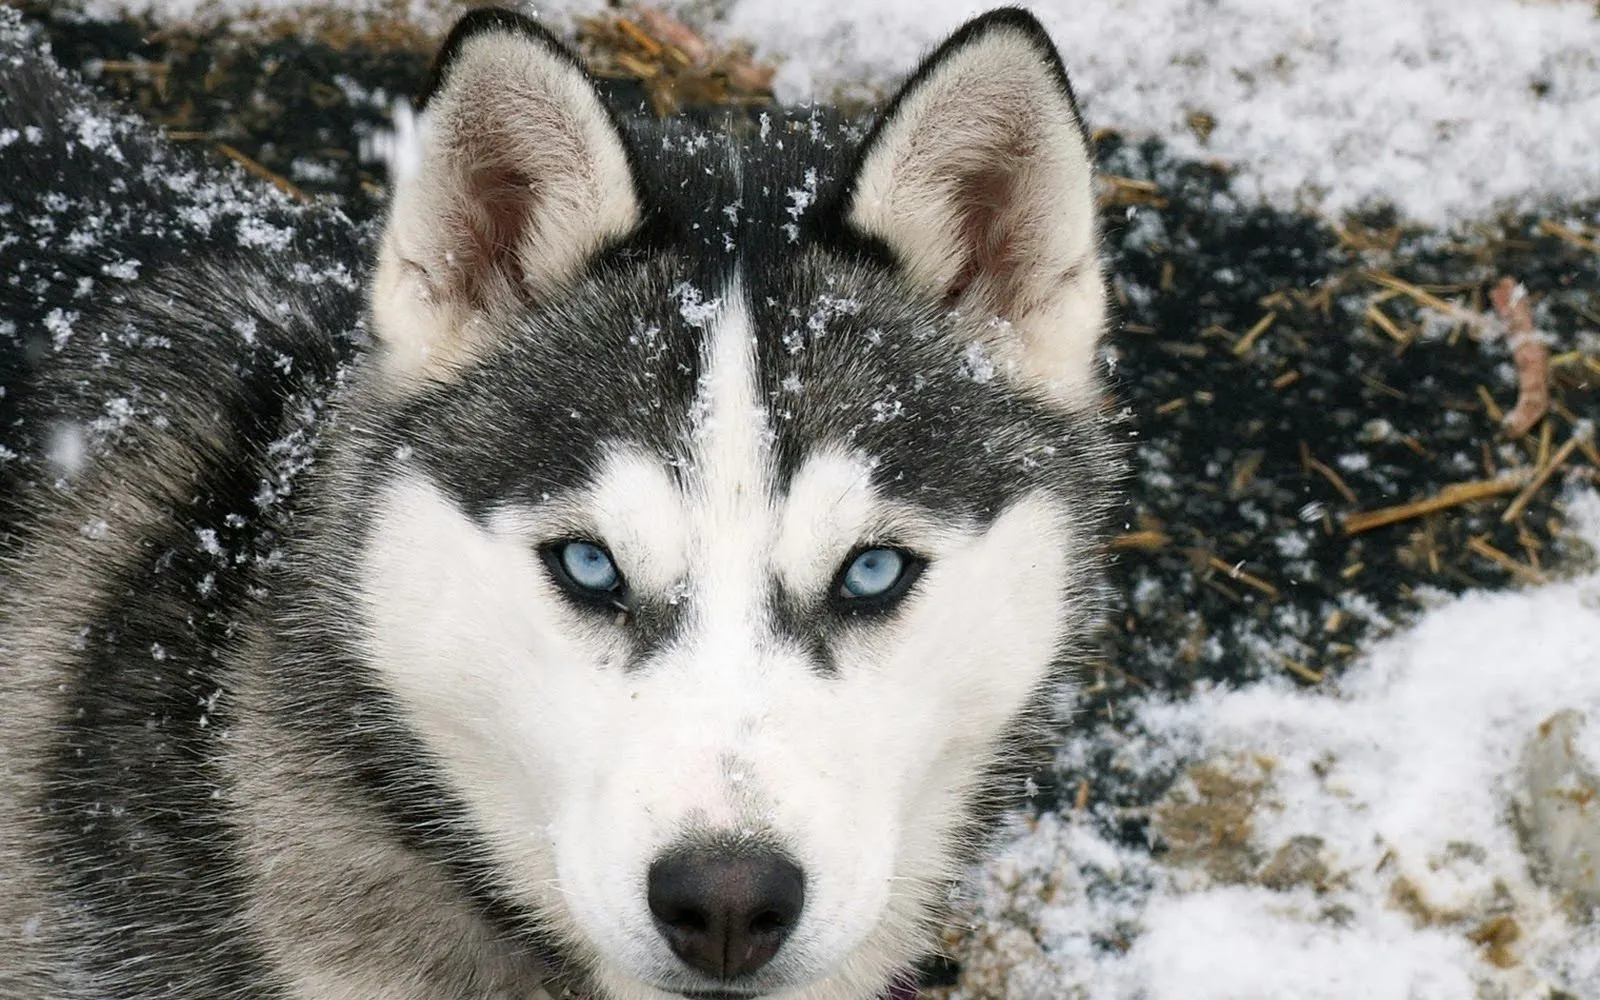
(730, 476)
(728, 525)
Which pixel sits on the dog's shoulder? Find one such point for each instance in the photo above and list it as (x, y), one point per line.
(147, 290)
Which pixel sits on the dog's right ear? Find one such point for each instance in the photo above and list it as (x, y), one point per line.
(517, 175)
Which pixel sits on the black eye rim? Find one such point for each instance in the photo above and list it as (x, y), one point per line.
(911, 568)
(613, 600)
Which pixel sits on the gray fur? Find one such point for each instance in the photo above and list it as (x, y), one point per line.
(206, 790)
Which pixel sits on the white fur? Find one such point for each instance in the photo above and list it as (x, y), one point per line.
(582, 772)
(509, 105)
(991, 116)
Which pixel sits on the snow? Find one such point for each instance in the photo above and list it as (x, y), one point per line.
(1397, 786)
(1448, 108)
(1587, 745)
(1242, 924)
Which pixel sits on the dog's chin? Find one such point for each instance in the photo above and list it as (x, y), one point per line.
(616, 984)
(771, 990)
(683, 987)
(729, 991)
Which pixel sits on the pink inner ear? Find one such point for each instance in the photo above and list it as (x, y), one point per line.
(989, 238)
(497, 206)
(993, 226)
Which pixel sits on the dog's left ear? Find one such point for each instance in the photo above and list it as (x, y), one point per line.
(978, 178)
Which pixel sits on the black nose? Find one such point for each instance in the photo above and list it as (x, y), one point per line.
(725, 915)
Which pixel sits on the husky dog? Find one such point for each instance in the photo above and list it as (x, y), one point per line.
(649, 578)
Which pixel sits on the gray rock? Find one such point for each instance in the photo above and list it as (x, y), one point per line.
(1559, 811)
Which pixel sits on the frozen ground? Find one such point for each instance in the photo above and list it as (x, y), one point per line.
(1449, 108)
(1446, 106)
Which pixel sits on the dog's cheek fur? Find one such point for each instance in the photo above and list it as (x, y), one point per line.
(464, 625)
(929, 698)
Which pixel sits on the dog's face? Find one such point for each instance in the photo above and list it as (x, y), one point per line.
(739, 501)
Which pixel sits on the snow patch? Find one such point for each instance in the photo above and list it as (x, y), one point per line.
(1446, 107)
(1377, 854)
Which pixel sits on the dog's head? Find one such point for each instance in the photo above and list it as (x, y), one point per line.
(739, 499)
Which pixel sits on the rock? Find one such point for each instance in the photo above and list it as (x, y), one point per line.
(1559, 811)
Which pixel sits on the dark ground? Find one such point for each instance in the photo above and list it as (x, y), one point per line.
(1236, 563)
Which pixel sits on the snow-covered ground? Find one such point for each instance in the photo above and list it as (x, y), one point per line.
(1362, 841)
(1449, 108)
(1444, 105)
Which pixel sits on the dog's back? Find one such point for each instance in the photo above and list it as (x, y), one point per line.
(163, 363)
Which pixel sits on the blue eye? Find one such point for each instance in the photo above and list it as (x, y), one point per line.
(875, 573)
(588, 568)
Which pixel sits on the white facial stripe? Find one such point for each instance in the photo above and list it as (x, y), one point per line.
(731, 479)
